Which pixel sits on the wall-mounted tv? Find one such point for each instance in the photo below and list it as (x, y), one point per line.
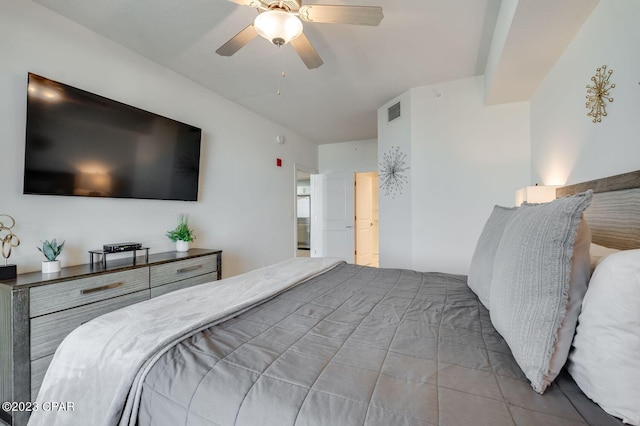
(82, 144)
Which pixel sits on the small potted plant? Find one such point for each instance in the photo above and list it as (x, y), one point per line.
(182, 235)
(51, 250)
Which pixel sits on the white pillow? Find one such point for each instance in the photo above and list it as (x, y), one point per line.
(577, 288)
(605, 362)
(598, 253)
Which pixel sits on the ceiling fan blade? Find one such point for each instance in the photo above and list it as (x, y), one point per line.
(307, 53)
(250, 3)
(238, 41)
(358, 15)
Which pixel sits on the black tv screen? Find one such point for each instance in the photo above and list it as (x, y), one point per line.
(79, 143)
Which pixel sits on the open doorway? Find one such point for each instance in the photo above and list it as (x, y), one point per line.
(366, 219)
(302, 211)
(303, 216)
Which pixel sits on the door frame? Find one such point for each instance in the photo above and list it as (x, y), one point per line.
(304, 169)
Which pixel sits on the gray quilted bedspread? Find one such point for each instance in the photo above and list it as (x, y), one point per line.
(357, 346)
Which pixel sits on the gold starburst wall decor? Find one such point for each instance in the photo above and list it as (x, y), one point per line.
(598, 94)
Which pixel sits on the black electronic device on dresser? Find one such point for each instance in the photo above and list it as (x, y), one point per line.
(120, 247)
(37, 310)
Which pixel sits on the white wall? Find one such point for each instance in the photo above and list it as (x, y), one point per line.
(241, 189)
(465, 158)
(566, 146)
(353, 156)
(395, 211)
(498, 41)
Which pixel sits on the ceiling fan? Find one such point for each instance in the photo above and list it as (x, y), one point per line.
(279, 21)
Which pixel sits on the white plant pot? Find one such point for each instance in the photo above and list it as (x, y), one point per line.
(50, 266)
(182, 245)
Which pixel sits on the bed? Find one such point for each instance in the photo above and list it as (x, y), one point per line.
(319, 341)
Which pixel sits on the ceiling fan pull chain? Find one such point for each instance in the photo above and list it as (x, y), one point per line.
(282, 73)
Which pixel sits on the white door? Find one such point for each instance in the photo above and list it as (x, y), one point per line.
(364, 218)
(332, 233)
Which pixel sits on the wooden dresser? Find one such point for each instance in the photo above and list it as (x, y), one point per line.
(38, 310)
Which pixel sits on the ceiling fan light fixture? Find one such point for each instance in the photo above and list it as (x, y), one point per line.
(278, 26)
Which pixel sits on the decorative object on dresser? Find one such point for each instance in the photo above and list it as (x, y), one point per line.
(9, 240)
(182, 235)
(38, 311)
(51, 250)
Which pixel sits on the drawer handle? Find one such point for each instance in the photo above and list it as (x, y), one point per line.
(189, 269)
(101, 288)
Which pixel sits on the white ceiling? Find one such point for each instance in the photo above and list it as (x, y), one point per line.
(419, 42)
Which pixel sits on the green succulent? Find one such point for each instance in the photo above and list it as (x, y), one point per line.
(182, 232)
(51, 250)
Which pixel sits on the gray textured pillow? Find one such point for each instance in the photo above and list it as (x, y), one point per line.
(531, 283)
(481, 269)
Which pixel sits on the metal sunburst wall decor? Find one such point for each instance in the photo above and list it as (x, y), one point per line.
(598, 94)
(393, 172)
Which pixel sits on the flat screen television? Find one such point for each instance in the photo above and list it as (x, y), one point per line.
(82, 144)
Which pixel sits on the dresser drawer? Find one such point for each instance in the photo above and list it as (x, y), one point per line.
(47, 331)
(38, 370)
(183, 269)
(179, 285)
(69, 294)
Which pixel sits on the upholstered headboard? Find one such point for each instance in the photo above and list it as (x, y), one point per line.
(614, 214)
